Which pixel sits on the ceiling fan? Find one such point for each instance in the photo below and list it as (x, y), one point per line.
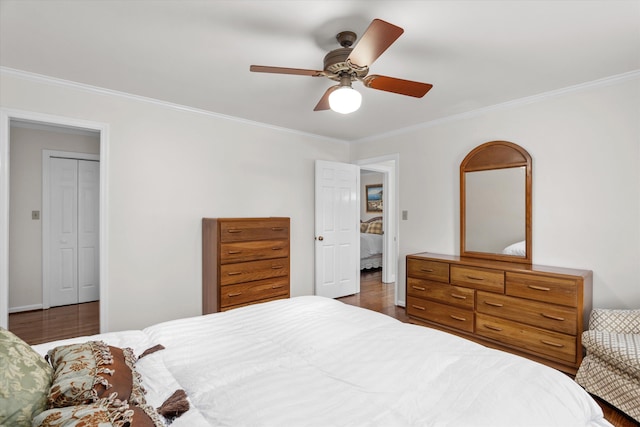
(347, 64)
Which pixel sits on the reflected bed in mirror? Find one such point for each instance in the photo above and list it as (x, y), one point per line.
(495, 203)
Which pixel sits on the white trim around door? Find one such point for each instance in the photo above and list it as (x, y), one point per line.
(46, 214)
(389, 167)
(6, 117)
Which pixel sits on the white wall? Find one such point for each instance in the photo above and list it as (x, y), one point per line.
(369, 178)
(585, 146)
(168, 168)
(25, 234)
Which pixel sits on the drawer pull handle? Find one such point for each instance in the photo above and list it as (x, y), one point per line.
(417, 307)
(427, 270)
(276, 267)
(548, 316)
(474, 278)
(277, 286)
(493, 328)
(462, 319)
(237, 294)
(234, 252)
(456, 296)
(277, 228)
(276, 248)
(493, 304)
(552, 344)
(539, 288)
(234, 230)
(418, 288)
(234, 273)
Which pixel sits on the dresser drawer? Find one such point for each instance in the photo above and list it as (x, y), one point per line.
(528, 338)
(430, 270)
(253, 291)
(479, 278)
(461, 297)
(543, 315)
(555, 290)
(253, 250)
(254, 270)
(440, 313)
(236, 231)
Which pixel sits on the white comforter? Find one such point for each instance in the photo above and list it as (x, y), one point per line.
(312, 361)
(370, 244)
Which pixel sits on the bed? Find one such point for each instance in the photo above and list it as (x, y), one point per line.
(314, 361)
(371, 243)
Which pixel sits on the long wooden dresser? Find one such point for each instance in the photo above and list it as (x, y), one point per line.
(244, 261)
(535, 311)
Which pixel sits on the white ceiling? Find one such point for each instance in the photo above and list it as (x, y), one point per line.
(197, 53)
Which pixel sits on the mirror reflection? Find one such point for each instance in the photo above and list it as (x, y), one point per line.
(495, 211)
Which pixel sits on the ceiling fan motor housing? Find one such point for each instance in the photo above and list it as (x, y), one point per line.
(336, 64)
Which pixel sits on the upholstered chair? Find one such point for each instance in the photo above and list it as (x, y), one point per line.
(611, 367)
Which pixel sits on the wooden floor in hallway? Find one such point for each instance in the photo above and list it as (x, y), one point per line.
(56, 323)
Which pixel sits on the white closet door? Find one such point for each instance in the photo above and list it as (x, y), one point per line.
(88, 231)
(63, 250)
(74, 231)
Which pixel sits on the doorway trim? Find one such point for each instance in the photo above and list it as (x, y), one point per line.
(6, 116)
(389, 166)
(46, 215)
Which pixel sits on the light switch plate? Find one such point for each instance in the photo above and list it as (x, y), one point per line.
(405, 215)
(35, 214)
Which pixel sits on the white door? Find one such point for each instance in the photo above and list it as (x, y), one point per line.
(88, 231)
(63, 255)
(337, 229)
(73, 231)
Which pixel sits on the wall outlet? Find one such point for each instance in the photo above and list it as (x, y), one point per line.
(35, 214)
(405, 215)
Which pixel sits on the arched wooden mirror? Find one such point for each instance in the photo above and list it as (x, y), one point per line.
(495, 203)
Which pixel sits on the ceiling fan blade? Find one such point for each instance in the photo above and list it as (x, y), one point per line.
(402, 87)
(282, 70)
(323, 104)
(375, 40)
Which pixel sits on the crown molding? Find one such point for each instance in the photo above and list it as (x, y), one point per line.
(40, 78)
(606, 81)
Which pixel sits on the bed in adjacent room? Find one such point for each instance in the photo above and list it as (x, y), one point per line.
(314, 361)
(371, 243)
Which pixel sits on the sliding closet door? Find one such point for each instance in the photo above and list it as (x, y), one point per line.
(73, 273)
(88, 230)
(63, 251)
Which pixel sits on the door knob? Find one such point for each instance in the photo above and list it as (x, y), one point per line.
(320, 238)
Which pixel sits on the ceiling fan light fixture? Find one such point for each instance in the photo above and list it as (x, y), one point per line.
(345, 100)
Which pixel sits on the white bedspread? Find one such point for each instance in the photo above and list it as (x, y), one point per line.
(312, 361)
(370, 244)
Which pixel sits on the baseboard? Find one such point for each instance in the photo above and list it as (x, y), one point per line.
(25, 308)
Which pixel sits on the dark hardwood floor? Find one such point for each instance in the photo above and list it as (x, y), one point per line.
(56, 323)
(378, 296)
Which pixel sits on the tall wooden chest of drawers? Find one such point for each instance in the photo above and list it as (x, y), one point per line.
(244, 261)
(535, 311)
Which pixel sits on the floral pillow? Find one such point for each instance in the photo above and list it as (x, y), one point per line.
(25, 379)
(85, 372)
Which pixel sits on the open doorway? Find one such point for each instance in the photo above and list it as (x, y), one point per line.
(379, 207)
(24, 137)
(53, 229)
